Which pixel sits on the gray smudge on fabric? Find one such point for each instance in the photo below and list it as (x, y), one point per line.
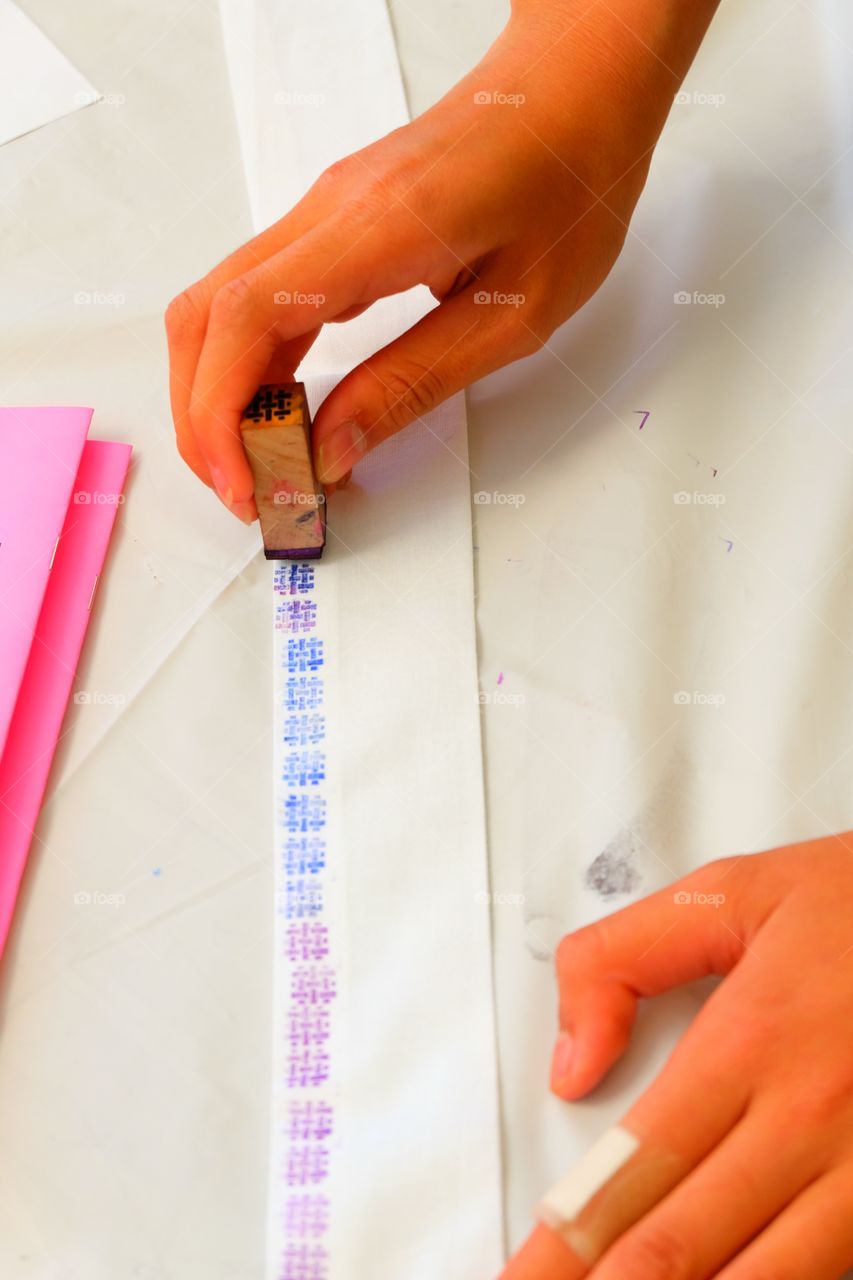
(615, 870)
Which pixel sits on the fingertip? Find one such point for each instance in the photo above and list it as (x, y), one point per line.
(581, 1080)
(562, 1065)
(243, 507)
(245, 511)
(339, 451)
(544, 1254)
(583, 1057)
(338, 484)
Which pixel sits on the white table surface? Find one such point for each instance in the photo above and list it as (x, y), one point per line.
(134, 1039)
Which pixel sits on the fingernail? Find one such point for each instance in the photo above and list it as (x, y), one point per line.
(340, 452)
(221, 485)
(336, 485)
(561, 1063)
(245, 511)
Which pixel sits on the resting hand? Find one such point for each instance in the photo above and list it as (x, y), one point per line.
(756, 1102)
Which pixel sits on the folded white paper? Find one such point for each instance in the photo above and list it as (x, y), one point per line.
(385, 1155)
(39, 83)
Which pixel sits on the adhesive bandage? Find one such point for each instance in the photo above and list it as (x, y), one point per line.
(610, 1188)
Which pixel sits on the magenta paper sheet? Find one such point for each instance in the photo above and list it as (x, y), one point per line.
(49, 587)
(40, 453)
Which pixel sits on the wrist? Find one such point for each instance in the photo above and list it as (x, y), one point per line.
(599, 79)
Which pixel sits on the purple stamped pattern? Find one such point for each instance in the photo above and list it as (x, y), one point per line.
(310, 1120)
(304, 768)
(294, 580)
(306, 941)
(302, 693)
(314, 984)
(302, 812)
(306, 1067)
(295, 614)
(301, 900)
(307, 1216)
(307, 981)
(304, 1262)
(303, 855)
(307, 1025)
(304, 730)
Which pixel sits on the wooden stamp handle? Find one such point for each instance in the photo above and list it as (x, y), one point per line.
(276, 430)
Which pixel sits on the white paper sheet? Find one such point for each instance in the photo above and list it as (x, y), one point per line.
(387, 1041)
(385, 1155)
(38, 82)
(605, 594)
(134, 1054)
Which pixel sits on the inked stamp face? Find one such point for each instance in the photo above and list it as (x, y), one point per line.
(277, 402)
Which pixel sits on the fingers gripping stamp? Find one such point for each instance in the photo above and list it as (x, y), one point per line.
(611, 1187)
(276, 430)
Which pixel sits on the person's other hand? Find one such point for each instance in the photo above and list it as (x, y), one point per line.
(756, 1102)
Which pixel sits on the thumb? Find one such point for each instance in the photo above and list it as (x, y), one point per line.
(457, 342)
(685, 932)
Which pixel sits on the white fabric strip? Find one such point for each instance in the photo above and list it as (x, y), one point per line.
(385, 1155)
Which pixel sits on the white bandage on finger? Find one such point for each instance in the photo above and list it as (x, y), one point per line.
(565, 1201)
(610, 1188)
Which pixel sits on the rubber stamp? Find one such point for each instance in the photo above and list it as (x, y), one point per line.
(276, 429)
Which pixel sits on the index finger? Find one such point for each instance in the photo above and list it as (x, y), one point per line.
(309, 283)
(544, 1256)
(188, 314)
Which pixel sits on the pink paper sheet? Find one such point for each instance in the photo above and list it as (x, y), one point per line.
(52, 651)
(39, 456)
